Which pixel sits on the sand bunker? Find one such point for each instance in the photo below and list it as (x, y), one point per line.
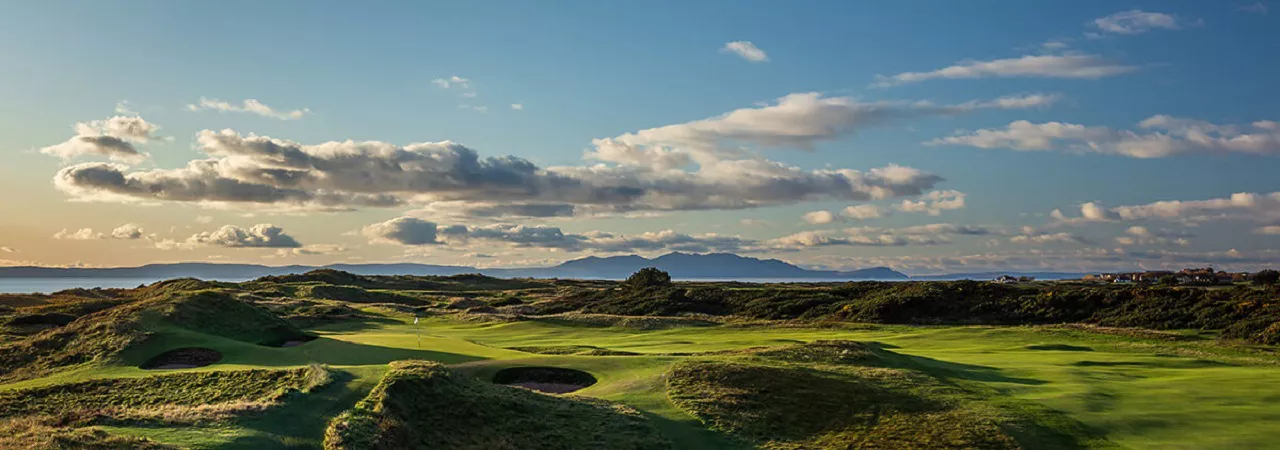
(551, 380)
(183, 358)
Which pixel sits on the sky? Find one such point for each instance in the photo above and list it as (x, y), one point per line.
(927, 136)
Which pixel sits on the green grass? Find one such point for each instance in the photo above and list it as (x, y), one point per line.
(1094, 387)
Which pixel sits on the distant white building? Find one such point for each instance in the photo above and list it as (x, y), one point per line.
(1005, 279)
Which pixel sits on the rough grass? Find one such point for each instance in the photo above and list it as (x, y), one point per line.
(100, 337)
(222, 315)
(424, 405)
(31, 434)
(795, 408)
(179, 397)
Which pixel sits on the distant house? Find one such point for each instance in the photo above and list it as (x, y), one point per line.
(1125, 278)
(1004, 279)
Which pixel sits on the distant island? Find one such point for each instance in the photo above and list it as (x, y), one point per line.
(679, 265)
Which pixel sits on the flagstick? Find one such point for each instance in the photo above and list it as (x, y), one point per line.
(416, 331)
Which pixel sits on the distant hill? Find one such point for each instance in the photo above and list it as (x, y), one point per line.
(680, 265)
(689, 265)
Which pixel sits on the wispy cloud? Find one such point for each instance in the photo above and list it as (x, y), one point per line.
(453, 82)
(1072, 65)
(1161, 136)
(113, 138)
(251, 106)
(1138, 22)
(746, 50)
(1253, 8)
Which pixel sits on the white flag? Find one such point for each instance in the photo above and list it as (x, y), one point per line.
(415, 320)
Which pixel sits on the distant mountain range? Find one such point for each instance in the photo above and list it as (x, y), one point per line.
(679, 265)
(726, 266)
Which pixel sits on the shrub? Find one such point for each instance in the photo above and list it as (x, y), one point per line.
(649, 277)
(1266, 277)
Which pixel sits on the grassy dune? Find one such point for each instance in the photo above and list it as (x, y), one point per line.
(424, 405)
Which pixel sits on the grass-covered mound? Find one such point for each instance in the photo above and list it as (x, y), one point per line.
(310, 313)
(790, 407)
(424, 405)
(1240, 312)
(174, 398)
(102, 336)
(223, 315)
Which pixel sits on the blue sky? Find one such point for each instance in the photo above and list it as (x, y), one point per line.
(1125, 104)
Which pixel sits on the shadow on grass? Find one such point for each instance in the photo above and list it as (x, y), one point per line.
(1032, 425)
(354, 325)
(343, 353)
(944, 370)
(692, 435)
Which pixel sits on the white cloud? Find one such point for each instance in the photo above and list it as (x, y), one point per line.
(204, 219)
(254, 170)
(849, 213)
(863, 212)
(799, 120)
(113, 138)
(517, 106)
(251, 106)
(4, 249)
(1258, 207)
(1055, 45)
(128, 231)
(479, 109)
(1140, 235)
(930, 234)
(410, 231)
(452, 82)
(746, 50)
(1034, 237)
(1164, 136)
(126, 108)
(1071, 65)
(402, 230)
(934, 202)
(1137, 22)
(1086, 260)
(83, 234)
(309, 250)
(819, 217)
(258, 236)
(1273, 230)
